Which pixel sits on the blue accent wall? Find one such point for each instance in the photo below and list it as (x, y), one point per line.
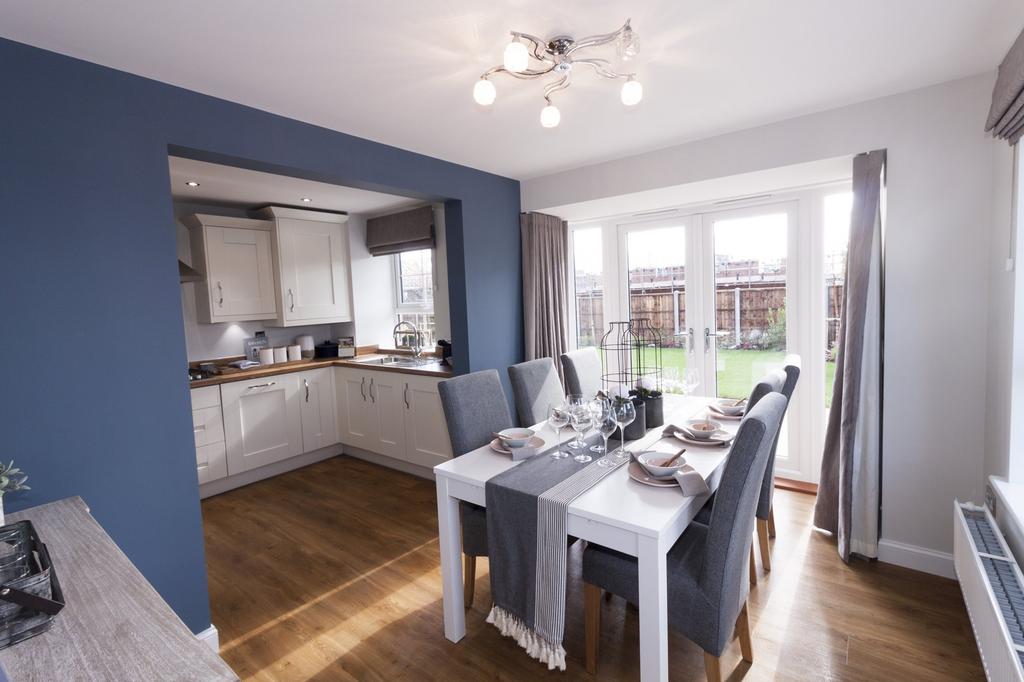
(93, 351)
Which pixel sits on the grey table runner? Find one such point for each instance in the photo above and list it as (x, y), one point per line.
(526, 539)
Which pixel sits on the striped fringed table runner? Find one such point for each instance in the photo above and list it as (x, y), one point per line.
(526, 544)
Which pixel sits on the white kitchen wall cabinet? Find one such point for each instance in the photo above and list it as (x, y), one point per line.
(313, 266)
(426, 431)
(316, 405)
(208, 429)
(262, 421)
(237, 260)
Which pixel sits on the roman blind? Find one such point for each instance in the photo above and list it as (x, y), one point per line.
(1006, 115)
(405, 231)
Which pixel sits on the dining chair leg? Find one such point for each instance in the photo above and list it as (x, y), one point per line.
(592, 618)
(743, 631)
(771, 521)
(712, 667)
(762, 538)
(469, 574)
(753, 567)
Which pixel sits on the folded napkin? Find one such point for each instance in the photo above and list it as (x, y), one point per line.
(691, 482)
(673, 431)
(525, 452)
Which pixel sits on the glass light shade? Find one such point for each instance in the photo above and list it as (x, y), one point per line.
(484, 92)
(517, 57)
(550, 116)
(628, 45)
(632, 92)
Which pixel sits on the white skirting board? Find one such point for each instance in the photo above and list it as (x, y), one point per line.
(222, 485)
(918, 558)
(211, 637)
(390, 462)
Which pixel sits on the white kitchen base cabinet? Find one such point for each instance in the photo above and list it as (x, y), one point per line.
(426, 431)
(208, 430)
(262, 421)
(316, 403)
(393, 414)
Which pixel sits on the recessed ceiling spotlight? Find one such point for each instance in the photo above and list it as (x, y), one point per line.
(305, 200)
(191, 183)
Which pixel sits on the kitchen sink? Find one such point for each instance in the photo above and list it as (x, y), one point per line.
(397, 361)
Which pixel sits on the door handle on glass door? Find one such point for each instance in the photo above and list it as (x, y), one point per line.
(689, 340)
(707, 337)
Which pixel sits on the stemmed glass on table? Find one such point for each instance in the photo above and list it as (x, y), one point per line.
(606, 426)
(574, 402)
(581, 419)
(624, 414)
(558, 418)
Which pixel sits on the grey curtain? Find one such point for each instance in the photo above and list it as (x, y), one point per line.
(1006, 115)
(405, 231)
(849, 487)
(545, 285)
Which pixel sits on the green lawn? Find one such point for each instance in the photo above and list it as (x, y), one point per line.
(739, 369)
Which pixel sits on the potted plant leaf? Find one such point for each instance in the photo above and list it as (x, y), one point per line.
(12, 479)
(647, 392)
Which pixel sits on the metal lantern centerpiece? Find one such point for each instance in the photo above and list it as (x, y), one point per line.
(617, 347)
(648, 370)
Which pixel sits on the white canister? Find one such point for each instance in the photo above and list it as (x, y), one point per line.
(266, 356)
(294, 353)
(306, 343)
(280, 354)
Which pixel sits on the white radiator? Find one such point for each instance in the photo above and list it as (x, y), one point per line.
(993, 589)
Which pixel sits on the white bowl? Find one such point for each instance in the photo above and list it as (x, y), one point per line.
(515, 438)
(652, 462)
(728, 407)
(696, 427)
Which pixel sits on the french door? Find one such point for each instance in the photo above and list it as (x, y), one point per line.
(725, 290)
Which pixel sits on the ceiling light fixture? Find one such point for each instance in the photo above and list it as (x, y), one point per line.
(305, 200)
(558, 56)
(191, 183)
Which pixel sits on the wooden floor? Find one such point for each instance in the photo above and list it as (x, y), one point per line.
(331, 573)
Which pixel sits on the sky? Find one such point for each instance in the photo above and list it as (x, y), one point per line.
(760, 237)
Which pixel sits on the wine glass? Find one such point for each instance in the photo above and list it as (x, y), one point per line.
(625, 414)
(575, 401)
(598, 408)
(558, 418)
(580, 419)
(606, 425)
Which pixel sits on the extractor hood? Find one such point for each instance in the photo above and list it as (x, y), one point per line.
(187, 273)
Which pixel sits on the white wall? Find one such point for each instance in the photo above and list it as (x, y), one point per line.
(373, 289)
(938, 273)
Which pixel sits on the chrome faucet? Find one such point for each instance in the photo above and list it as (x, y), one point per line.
(417, 339)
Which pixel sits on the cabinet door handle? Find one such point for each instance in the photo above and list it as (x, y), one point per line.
(306, 382)
(220, 289)
(269, 383)
(292, 297)
(405, 396)
(373, 398)
(362, 388)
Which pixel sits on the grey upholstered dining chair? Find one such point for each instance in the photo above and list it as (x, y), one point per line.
(474, 407)
(582, 371)
(535, 388)
(773, 382)
(707, 593)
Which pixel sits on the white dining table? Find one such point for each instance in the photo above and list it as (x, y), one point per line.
(619, 513)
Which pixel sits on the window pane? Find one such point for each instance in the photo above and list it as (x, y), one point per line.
(837, 238)
(656, 259)
(425, 323)
(416, 278)
(589, 287)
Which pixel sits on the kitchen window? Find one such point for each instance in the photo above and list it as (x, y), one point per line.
(414, 291)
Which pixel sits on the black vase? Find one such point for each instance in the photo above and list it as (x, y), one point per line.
(638, 429)
(655, 412)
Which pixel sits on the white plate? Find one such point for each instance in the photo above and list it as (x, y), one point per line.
(640, 475)
(727, 417)
(719, 439)
(535, 442)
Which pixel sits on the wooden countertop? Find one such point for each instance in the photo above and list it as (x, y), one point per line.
(434, 369)
(115, 626)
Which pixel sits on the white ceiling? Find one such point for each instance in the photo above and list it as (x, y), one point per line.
(401, 72)
(249, 188)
